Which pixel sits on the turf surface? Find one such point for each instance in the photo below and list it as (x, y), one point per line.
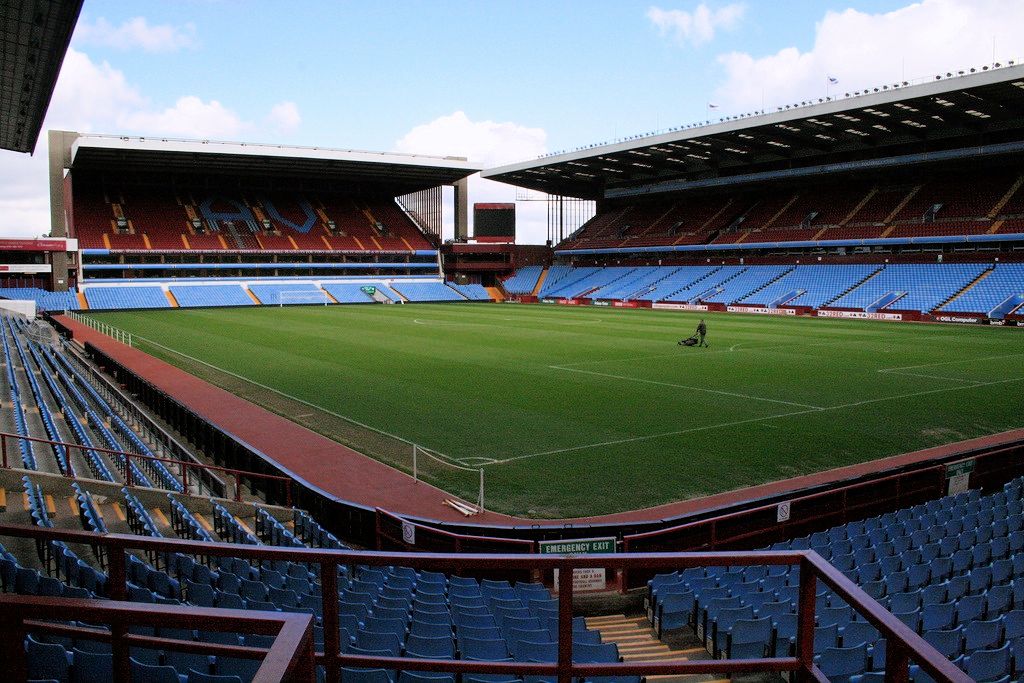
(577, 412)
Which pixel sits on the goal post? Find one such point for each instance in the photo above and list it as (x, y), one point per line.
(290, 297)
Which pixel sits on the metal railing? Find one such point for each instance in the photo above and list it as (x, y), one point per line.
(289, 657)
(903, 645)
(184, 466)
(102, 327)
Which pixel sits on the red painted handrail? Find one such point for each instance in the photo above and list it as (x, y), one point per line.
(903, 645)
(185, 465)
(289, 658)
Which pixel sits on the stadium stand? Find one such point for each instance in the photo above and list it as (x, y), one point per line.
(958, 287)
(119, 218)
(951, 204)
(45, 300)
(524, 280)
(810, 285)
(348, 293)
(999, 293)
(426, 291)
(744, 283)
(952, 569)
(914, 287)
(290, 293)
(126, 297)
(210, 295)
(473, 292)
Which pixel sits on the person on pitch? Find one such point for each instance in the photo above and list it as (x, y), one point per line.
(702, 330)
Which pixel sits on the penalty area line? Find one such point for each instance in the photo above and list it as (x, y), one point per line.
(686, 386)
(649, 437)
(439, 455)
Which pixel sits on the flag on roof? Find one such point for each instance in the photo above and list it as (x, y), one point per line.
(833, 80)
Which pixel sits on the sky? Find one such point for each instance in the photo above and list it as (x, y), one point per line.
(497, 81)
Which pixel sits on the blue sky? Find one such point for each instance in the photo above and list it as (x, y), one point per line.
(492, 80)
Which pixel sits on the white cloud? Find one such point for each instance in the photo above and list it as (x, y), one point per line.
(488, 143)
(285, 116)
(136, 33)
(866, 50)
(696, 27)
(189, 117)
(94, 97)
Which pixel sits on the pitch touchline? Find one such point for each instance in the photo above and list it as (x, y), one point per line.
(448, 458)
(686, 386)
(648, 437)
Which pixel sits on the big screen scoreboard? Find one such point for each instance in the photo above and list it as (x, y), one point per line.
(494, 222)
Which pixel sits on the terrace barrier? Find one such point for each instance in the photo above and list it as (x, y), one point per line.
(903, 645)
(184, 466)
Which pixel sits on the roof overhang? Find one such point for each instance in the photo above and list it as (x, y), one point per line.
(34, 37)
(949, 111)
(391, 172)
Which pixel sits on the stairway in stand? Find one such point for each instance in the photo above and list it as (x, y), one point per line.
(637, 641)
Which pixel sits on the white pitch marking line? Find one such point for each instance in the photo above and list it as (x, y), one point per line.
(648, 437)
(686, 386)
(918, 374)
(442, 456)
(953, 362)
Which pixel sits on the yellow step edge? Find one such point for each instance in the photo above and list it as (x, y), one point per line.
(640, 656)
(3, 500)
(606, 618)
(51, 507)
(159, 514)
(119, 512)
(73, 504)
(244, 526)
(202, 520)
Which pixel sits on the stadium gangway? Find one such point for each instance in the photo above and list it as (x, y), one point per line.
(185, 465)
(902, 643)
(289, 657)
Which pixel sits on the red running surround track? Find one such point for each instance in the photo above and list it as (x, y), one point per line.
(349, 475)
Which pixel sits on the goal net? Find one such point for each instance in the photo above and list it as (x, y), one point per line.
(290, 297)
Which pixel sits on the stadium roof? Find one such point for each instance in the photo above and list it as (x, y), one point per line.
(398, 173)
(953, 110)
(34, 36)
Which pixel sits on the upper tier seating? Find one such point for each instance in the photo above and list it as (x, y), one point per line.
(911, 286)
(150, 219)
(944, 205)
(143, 296)
(1005, 280)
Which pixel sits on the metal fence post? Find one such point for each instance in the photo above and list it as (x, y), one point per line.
(805, 622)
(332, 637)
(565, 625)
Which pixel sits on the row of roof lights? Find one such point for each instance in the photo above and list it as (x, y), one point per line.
(667, 148)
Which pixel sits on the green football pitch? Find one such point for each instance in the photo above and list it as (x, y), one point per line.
(574, 412)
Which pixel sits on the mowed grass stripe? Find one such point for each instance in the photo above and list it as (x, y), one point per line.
(476, 382)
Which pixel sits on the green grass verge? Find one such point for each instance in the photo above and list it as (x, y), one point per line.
(577, 412)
